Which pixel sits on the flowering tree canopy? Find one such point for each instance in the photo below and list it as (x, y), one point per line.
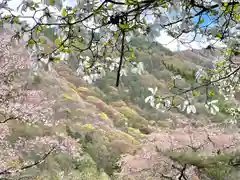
(98, 34)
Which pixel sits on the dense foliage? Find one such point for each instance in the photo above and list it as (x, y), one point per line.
(109, 42)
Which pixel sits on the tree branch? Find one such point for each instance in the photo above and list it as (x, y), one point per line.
(121, 59)
(7, 171)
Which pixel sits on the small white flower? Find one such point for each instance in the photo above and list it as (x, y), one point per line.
(167, 103)
(87, 58)
(139, 69)
(102, 72)
(64, 56)
(36, 65)
(190, 108)
(80, 71)
(214, 101)
(152, 103)
(199, 74)
(112, 66)
(147, 99)
(185, 104)
(108, 59)
(179, 106)
(128, 38)
(45, 60)
(117, 60)
(134, 70)
(88, 79)
(177, 77)
(153, 91)
(151, 99)
(26, 37)
(212, 107)
(123, 72)
(158, 105)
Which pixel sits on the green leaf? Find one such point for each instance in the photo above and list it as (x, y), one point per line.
(95, 12)
(36, 5)
(219, 35)
(195, 94)
(211, 94)
(110, 6)
(31, 42)
(57, 42)
(174, 102)
(238, 18)
(132, 57)
(67, 50)
(124, 26)
(219, 64)
(39, 29)
(32, 8)
(229, 51)
(16, 20)
(64, 12)
(164, 6)
(52, 2)
(201, 21)
(131, 2)
(74, 10)
(145, 21)
(115, 35)
(57, 59)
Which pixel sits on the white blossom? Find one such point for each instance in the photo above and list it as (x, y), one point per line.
(88, 79)
(199, 74)
(190, 108)
(153, 91)
(151, 98)
(123, 72)
(212, 107)
(177, 77)
(139, 69)
(158, 105)
(167, 103)
(64, 56)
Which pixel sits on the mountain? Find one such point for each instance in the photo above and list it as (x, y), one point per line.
(105, 133)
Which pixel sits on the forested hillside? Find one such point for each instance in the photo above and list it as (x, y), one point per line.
(65, 128)
(90, 91)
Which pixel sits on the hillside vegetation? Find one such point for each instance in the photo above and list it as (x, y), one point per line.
(108, 133)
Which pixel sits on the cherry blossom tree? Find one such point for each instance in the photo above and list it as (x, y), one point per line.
(19, 104)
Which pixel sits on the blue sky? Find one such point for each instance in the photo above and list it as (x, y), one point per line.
(207, 20)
